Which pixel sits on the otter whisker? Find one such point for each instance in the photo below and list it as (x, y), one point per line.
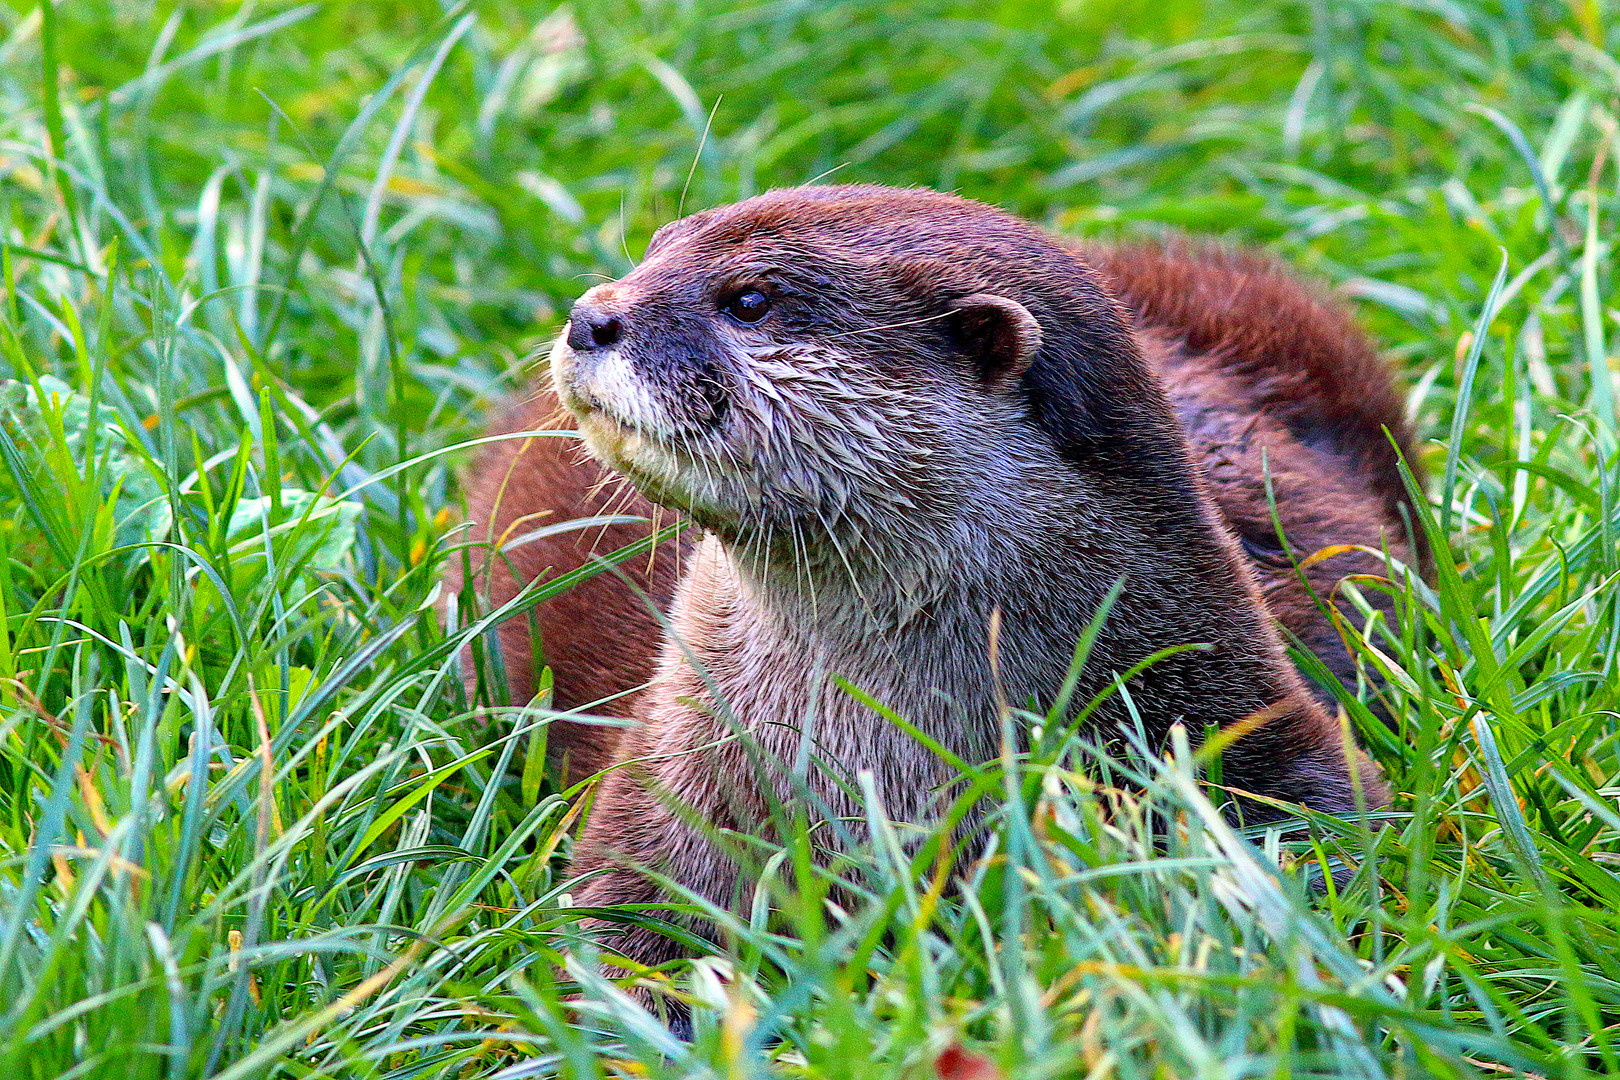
(619, 503)
(802, 565)
(768, 539)
(886, 573)
(892, 326)
(843, 557)
(602, 482)
(795, 565)
(684, 442)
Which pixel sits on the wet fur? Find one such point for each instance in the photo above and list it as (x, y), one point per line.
(875, 523)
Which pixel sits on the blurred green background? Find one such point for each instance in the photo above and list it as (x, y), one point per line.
(497, 158)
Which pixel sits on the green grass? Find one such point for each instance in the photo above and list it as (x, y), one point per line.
(258, 259)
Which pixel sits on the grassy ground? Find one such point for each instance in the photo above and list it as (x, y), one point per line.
(265, 268)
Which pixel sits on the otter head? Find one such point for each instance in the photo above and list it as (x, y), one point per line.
(851, 372)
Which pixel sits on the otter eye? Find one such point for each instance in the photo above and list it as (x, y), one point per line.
(748, 307)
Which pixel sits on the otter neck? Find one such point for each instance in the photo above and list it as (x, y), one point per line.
(918, 639)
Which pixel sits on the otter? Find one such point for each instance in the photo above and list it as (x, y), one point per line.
(901, 417)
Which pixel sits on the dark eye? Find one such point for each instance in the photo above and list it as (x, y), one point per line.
(748, 307)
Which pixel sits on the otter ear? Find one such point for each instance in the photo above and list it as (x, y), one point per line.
(998, 334)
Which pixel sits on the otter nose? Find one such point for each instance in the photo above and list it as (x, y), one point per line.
(590, 327)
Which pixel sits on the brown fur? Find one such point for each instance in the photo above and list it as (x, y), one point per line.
(1155, 381)
(1269, 378)
(598, 637)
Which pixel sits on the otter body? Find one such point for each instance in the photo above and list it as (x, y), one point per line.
(901, 418)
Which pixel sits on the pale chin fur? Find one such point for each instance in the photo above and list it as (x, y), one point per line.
(622, 423)
(609, 388)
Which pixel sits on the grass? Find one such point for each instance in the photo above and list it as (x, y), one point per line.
(266, 268)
